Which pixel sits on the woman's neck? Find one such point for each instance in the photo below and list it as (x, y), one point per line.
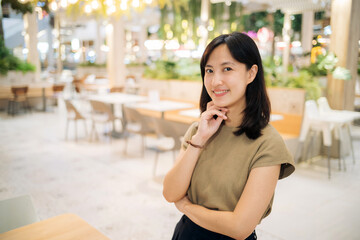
(234, 117)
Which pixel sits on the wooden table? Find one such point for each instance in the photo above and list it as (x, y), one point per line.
(65, 227)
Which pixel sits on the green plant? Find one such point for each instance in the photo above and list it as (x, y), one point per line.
(91, 64)
(183, 69)
(9, 62)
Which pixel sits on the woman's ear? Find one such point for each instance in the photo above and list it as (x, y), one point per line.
(252, 73)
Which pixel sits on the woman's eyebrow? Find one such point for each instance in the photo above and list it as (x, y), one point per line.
(207, 65)
(227, 63)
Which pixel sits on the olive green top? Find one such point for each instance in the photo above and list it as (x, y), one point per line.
(224, 165)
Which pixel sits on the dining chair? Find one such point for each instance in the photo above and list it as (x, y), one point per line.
(136, 123)
(117, 89)
(342, 131)
(103, 114)
(314, 124)
(19, 96)
(73, 114)
(58, 90)
(16, 212)
(167, 129)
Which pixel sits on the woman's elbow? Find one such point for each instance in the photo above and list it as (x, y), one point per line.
(242, 232)
(170, 196)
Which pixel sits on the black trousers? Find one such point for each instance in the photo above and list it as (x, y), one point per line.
(188, 230)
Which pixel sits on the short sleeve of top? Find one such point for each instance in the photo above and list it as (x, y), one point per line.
(224, 165)
(189, 133)
(273, 151)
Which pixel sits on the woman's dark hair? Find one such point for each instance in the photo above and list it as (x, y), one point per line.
(257, 110)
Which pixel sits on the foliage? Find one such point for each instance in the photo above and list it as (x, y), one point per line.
(92, 64)
(18, 6)
(9, 62)
(304, 79)
(183, 69)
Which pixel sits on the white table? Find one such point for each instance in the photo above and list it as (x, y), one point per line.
(162, 106)
(118, 99)
(195, 113)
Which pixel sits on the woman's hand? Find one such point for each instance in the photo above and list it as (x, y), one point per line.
(208, 125)
(182, 203)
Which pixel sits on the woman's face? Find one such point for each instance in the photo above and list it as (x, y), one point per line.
(226, 79)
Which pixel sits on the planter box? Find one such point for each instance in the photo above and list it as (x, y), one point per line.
(17, 78)
(176, 89)
(98, 71)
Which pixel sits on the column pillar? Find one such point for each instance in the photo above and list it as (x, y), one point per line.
(142, 39)
(344, 39)
(286, 38)
(50, 54)
(31, 41)
(307, 24)
(59, 65)
(204, 16)
(115, 58)
(98, 42)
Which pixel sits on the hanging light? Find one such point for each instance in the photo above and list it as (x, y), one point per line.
(136, 3)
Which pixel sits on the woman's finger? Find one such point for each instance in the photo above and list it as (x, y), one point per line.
(208, 114)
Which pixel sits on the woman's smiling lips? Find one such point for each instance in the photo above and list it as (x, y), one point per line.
(220, 93)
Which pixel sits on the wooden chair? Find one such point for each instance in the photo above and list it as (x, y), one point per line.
(73, 115)
(58, 89)
(137, 123)
(117, 89)
(19, 97)
(168, 129)
(101, 113)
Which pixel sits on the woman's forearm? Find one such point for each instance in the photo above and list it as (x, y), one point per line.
(177, 180)
(223, 222)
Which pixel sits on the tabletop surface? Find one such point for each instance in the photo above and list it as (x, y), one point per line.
(118, 98)
(65, 227)
(163, 105)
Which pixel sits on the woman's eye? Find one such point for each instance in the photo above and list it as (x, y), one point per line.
(208, 70)
(227, 69)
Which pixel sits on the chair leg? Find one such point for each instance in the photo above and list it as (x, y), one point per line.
(351, 144)
(125, 145)
(328, 162)
(86, 133)
(76, 138)
(155, 163)
(66, 129)
(143, 146)
(339, 149)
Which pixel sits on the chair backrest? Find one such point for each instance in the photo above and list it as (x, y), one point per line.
(311, 111)
(19, 90)
(101, 108)
(16, 212)
(117, 89)
(57, 88)
(132, 115)
(323, 105)
(171, 129)
(72, 110)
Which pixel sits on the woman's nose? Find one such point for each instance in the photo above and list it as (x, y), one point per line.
(217, 80)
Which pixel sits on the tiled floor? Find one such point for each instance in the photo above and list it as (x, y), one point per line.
(118, 195)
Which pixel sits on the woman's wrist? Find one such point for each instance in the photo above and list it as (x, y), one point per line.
(198, 140)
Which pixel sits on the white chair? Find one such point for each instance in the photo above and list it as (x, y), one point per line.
(312, 125)
(16, 212)
(103, 114)
(168, 129)
(136, 123)
(342, 131)
(72, 114)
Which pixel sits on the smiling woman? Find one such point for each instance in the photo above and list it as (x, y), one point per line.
(226, 173)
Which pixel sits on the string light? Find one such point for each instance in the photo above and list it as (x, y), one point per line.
(110, 7)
